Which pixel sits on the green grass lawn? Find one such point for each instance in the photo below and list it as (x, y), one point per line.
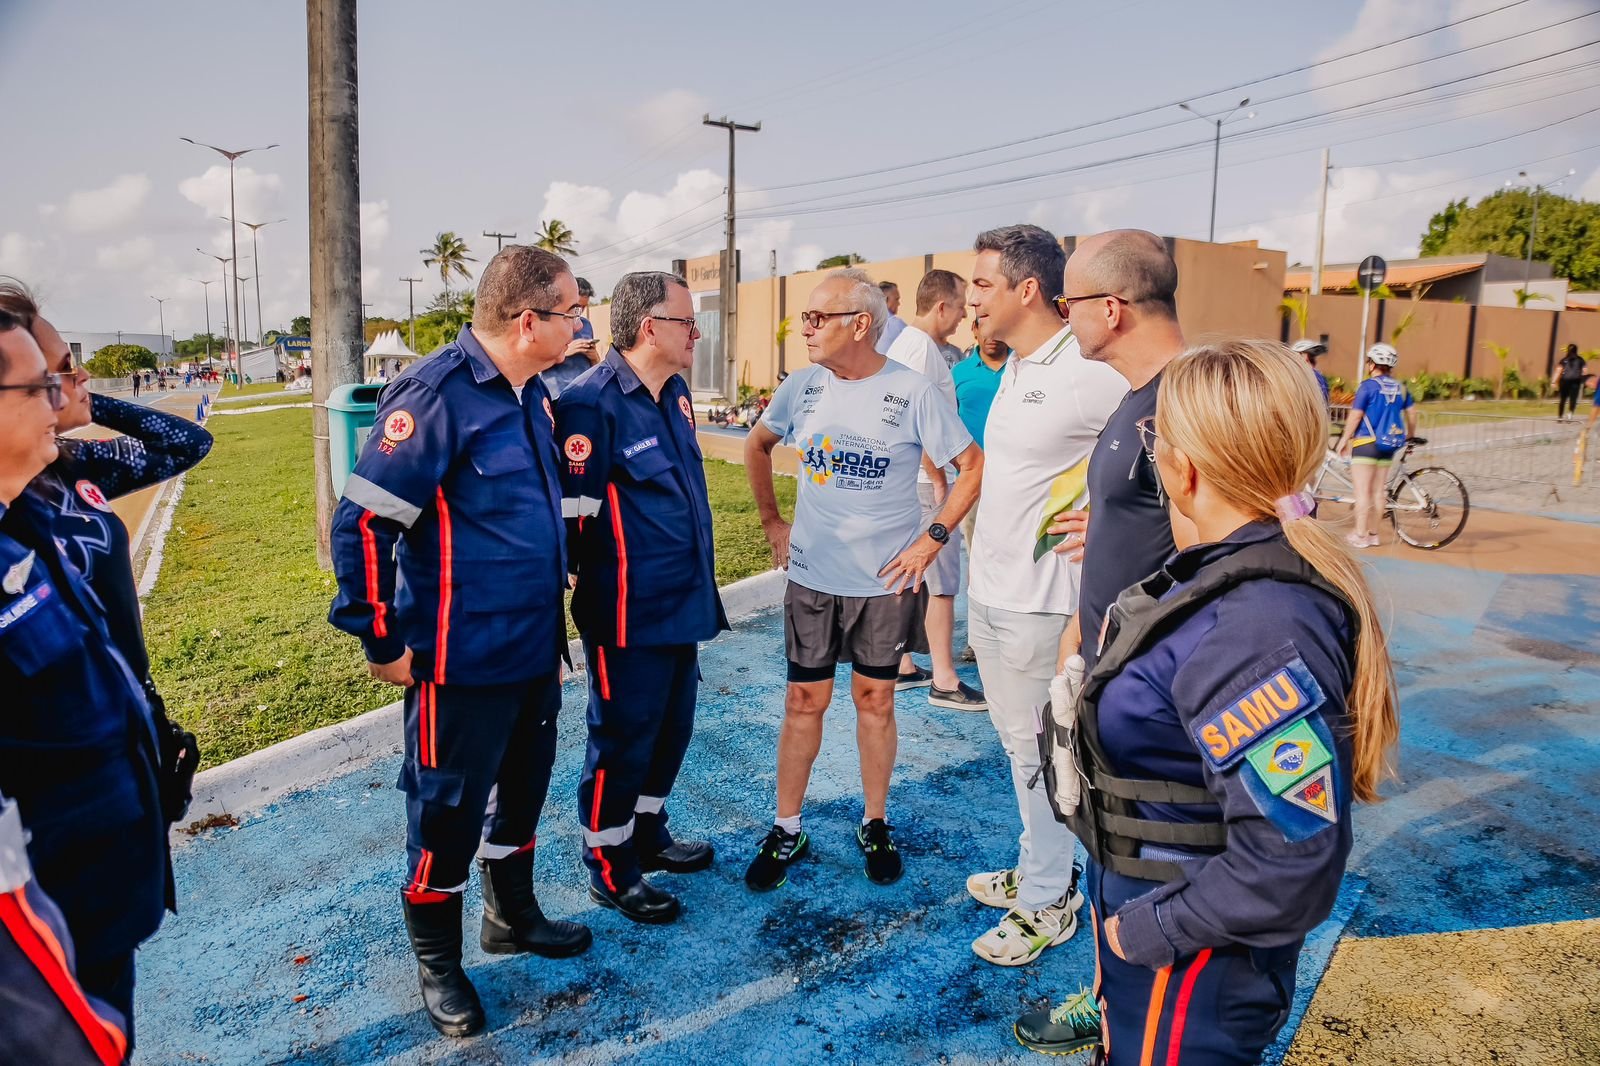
(229, 389)
(239, 642)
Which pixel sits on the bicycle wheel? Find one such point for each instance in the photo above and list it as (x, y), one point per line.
(1428, 507)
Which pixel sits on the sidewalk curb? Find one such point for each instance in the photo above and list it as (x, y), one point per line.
(262, 777)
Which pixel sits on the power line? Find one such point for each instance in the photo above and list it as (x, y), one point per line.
(1145, 110)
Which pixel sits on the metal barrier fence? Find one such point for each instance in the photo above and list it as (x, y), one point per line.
(1509, 461)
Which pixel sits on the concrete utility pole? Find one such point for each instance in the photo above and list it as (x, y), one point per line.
(729, 300)
(1533, 224)
(499, 240)
(1322, 226)
(411, 307)
(161, 313)
(335, 187)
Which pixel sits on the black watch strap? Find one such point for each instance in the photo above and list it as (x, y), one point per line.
(939, 533)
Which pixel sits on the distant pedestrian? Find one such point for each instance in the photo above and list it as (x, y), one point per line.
(134, 377)
(894, 324)
(1312, 351)
(858, 551)
(1570, 382)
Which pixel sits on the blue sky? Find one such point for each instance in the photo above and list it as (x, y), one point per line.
(495, 115)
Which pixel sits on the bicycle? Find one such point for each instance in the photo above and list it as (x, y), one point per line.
(1427, 506)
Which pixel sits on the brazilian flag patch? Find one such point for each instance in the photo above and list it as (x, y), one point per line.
(1288, 756)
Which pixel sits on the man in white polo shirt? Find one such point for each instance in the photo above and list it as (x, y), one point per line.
(941, 305)
(1050, 408)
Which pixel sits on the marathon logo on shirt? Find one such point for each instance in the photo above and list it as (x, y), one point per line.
(846, 463)
(1248, 717)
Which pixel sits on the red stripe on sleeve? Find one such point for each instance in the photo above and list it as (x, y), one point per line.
(369, 552)
(622, 565)
(446, 566)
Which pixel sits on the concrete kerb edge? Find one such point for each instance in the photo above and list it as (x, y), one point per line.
(263, 777)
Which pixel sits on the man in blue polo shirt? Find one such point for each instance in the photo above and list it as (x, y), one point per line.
(639, 526)
(977, 379)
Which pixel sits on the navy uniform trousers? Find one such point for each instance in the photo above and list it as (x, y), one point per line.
(1220, 1007)
(477, 769)
(641, 716)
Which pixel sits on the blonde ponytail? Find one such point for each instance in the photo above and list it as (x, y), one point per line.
(1249, 415)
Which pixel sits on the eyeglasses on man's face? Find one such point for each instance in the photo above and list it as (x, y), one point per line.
(687, 323)
(573, 316)
(48, 386)
(1064, 302)
(815, 319)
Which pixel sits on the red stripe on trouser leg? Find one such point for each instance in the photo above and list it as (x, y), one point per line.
(600, 672)
(526, 847)
(622, 565)
(1180, 1011)
(38, 943)
(425, 696)
(594, 824)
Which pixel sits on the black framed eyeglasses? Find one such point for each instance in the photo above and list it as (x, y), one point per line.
(815, 319)
(574, 315)
(1147, 435)
(49, 386)
(1064, 302)
(687, 323)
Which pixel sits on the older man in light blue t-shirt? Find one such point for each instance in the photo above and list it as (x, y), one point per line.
(857, 551)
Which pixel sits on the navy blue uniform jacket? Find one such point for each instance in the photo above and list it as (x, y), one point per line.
(77, 744)
(638, 518)
(464, 477)
(1246, 699)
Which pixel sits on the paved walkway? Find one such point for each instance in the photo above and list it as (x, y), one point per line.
(289, 947)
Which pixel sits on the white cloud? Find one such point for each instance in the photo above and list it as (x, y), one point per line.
(18, 254)
(96, 210)
(661, 118)
(128, 256)
(47, 210)
(258, 195)
(1370, 211)
(374, 226)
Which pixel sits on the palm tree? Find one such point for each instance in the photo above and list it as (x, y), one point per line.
(449, 255)
(555, 236)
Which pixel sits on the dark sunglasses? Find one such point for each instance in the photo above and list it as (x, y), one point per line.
(49, 387)
(1147, 435)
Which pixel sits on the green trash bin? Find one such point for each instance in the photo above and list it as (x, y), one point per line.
(351, 411)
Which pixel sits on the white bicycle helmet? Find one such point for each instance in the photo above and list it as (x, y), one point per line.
(1310, 347)
(1383, 355)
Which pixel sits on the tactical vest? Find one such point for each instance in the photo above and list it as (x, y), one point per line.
(1106, 819)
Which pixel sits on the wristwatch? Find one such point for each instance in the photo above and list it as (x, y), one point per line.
(939, 533)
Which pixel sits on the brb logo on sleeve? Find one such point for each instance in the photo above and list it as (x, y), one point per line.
(848, 463)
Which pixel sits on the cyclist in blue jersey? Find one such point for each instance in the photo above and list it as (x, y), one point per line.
(1313, 350)
(1381, 420)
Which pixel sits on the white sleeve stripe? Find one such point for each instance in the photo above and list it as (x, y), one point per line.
(380, 501)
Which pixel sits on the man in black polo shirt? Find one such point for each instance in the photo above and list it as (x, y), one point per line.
(1120, 297)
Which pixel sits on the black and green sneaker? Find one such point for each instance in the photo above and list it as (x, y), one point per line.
(1066, 1029)
(770, 868)
(883, 860)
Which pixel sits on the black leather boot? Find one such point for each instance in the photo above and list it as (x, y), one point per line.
(512, 920)
(451, 1001)
(640, 902)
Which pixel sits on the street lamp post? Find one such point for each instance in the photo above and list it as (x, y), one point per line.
(244, 330)
(1216, 151)
(232, 157)
(223, 262)
(206, 288)
(1533, 223)
(161, 313)
(255, 257)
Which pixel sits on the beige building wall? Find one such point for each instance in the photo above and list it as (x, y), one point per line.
(1526, 333)
(1581, 328)
(1228, 289)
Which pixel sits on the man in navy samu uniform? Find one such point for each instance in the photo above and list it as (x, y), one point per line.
(462, 471)
(639, 527)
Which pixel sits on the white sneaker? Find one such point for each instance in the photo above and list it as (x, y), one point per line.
(998, 889)
(1022, 935)
(1356, 540)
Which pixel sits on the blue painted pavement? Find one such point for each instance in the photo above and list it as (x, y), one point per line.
(289, 947)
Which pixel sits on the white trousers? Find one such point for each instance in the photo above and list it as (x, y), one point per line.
(1016, 659)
